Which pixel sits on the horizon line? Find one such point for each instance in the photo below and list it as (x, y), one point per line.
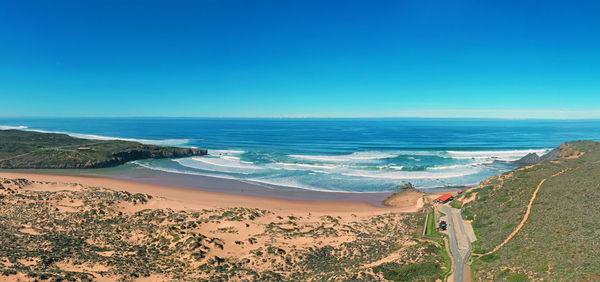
(309, 117)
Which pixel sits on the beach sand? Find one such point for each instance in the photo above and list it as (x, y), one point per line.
(180, 198)
(241, 229)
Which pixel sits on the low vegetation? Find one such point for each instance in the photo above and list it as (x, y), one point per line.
(560, 239)
(87, 233)
(431, 229)
(27, 149)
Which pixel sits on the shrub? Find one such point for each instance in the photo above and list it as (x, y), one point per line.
(412, 272)
(517, 277)
(489, 258)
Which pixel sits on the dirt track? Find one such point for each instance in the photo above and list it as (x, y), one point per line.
(526, 216)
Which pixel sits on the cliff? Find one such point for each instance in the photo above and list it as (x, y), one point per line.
(26, 149)
(533, 158)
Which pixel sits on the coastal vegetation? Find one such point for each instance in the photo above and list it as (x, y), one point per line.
(431, 228)
(62, 231)
(536, 222)
(28, 149)
(539, 222)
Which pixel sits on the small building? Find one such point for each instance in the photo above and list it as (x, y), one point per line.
(84, 149)
(444, 199)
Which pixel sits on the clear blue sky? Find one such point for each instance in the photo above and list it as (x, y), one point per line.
(300, 58)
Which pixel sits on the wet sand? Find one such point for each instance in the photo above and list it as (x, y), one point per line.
(213, 184)
(134, 175)
(176, 197)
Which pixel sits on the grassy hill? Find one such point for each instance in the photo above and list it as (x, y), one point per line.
(27, 149)
(560, 240)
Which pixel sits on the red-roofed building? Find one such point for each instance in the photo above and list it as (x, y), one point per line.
(444, 198)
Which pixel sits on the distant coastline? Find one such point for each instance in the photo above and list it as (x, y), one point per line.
(329, 155)
(42, 150)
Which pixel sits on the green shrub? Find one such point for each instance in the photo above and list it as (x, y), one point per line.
(489, 258)
(412, 272)
(517, 277)
(502, 273)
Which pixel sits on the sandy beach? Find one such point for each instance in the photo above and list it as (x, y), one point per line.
(180, 198)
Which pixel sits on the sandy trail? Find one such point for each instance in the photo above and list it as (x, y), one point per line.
(526, 216)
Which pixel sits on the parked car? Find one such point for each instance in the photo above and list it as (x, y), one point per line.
(443, 225)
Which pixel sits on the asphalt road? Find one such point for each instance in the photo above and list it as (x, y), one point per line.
(460, 246)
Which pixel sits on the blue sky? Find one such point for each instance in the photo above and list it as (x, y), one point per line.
(520, 59)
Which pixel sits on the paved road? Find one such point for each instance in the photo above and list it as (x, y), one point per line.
(460, 246)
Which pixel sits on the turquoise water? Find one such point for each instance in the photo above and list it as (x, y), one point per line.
(353, 155)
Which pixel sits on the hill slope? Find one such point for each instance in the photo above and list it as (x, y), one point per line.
(559, 238)
(27, 149)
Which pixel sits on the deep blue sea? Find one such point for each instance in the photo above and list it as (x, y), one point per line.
(356, 155)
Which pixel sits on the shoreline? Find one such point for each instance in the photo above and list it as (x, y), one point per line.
(141, 175)
(181, 198)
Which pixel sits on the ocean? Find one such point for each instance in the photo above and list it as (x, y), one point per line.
(337, 155)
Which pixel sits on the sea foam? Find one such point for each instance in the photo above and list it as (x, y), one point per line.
(354, 157)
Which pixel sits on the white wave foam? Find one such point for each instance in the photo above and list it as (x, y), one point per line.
(354, 157)
(285, 182)
(508, 155)
(256, 181)
(234, 164)
(230, 158)
(183, 172)
(298, 166)
(458, 166)
(289, 182)
(225, 152)
(413, 153)
(410, 174)
(396, 167)
(8, 127)
(201, 162)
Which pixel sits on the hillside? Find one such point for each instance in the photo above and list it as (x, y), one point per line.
(27, 149)
(560, 238)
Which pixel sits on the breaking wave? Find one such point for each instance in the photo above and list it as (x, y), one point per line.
(361, 169)
(354, 157)
(356, 171)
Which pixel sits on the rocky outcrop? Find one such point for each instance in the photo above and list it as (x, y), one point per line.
(128, 156)
(34, 150)
(529, 159)
(70, 160)
(533, 158)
